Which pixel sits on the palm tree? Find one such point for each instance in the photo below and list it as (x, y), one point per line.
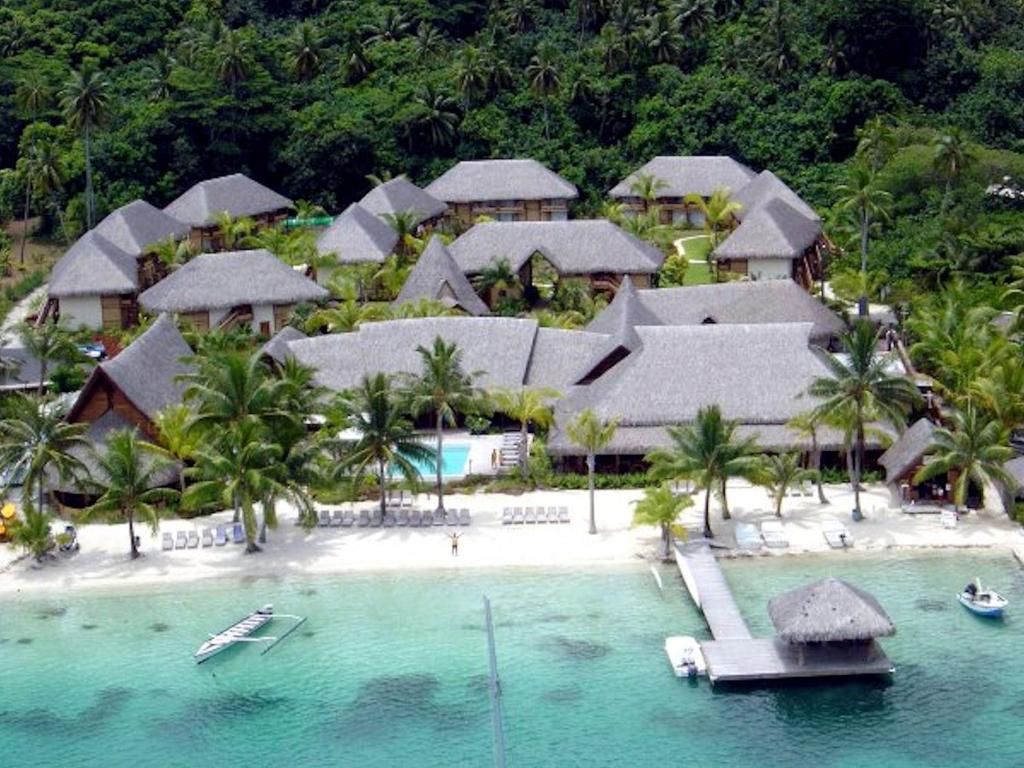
(876, 142)
(780, 472)
(305, 52)
(235, 471)
(542, 72)
(85, 100)
(173, 253)
(470, 74)
(357, 63)
(865, 200)
(32, 533)
(861, 386)
(158, 75)
(390, 26)
(35, 439)
(46, 174)
(128, 468)
(592, 435)
(232, 58)
(661, 507)
(32, 96)
(47, 342)
(518, 14)
(646, 186)
(664, 39)
(445, 389)
(497, 280)
(232, 231)
(178, 437)
(975, 448)
(527, 405)
(386, 437)
(435, 115)
(718, 211)
(429, 40)
(952, 154)
(404, 223)
(806, 425)
(346, 316)
(707, 452)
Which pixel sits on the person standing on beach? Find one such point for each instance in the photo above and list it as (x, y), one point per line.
(455, 544)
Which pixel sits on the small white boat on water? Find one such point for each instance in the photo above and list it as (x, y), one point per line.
(240, 632)
(685, 656)
(983, 602)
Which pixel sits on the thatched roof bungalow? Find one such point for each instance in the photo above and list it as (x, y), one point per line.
(505, 190)
(138, 225)
(904, 458)
(437, 277)
(94, 284)
(829, 611)
(357, 237)
(220, 290)
(401, 196)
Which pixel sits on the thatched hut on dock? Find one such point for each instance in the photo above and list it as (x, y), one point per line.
(829, 611)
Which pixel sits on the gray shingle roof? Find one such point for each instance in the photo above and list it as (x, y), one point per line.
(688, 174)
(237, 194)
(499, 347)
(757, 374)
(93, 266)
(767, 186)
(766, 301)
(478, 180)
(147, 369)
(904, 454)
(136, 226)
(277, 347)
(357, 236)
(436, 276)
(224, 280)
(577, 247)
(774, 230)
(400, 195)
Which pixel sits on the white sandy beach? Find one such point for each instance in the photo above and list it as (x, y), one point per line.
(103, 560)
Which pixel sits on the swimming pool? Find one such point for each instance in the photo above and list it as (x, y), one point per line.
(454, 457)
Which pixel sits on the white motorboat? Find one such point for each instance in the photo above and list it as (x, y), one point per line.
(983, 602)
(240, 632)
(685, 656)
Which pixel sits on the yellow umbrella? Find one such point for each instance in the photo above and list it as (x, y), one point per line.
(7, 511)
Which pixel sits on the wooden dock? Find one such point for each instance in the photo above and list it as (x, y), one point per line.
(735, 656)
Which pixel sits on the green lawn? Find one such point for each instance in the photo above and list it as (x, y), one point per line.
(696, 247)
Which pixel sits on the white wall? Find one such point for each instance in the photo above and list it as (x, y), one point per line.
(79, 311)
(216, 315)
(770, 269)
(263, 313)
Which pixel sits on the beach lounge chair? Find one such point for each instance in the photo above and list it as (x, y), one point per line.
(180, 540)
(193, 540)
(323, 519)
(364, 518)
(552, 515)
(237, 533)
(453, 517)
(506, 516)
(405, 502)
(517, 516)
(207, 538)
(415, 518)
(542, 515)
(348, 518)
(464, 518)
(748, 537)
(531, 516)
(221, 536)
(438, 517)
(402, 518)
(949, 518)
(336, 519)
(390, 521)
(563, 514)
(774, 534)
(168, 542)
(375, 519)
(836, 534)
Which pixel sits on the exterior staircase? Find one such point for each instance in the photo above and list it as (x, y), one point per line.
(509, 454)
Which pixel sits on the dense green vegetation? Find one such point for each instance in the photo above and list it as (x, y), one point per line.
(314, 96)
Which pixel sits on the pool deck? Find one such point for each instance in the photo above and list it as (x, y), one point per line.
(735, 656)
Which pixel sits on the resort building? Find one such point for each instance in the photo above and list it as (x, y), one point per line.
(436, 277)
(355, 237)
(95, 283)
(751, 303)
(276, 351)
(504, 190)
(224, 290)
(904, 458)
(401, 196)
(592, 251)
(236, 195)
(675, 177)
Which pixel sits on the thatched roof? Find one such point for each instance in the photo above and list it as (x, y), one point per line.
(136, 226)
(225, 280)
(147, 370)
(498, 347)
(1015, 468)
(830, 610)
(559, 354)
(578, 247)
(357, 236)
(236, 194)
(688, 175)
(94, 266)
(752, 302)
(400, 195)
(765, 187)
(25, 372)
(473, 181)
(774, 230)
(436, 276)
(277, 347)
(907, 452)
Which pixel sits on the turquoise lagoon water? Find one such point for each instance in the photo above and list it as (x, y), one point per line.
(390, 670)
(453, 462)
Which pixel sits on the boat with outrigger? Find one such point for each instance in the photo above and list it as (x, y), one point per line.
(241, 631)
(982, 602)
